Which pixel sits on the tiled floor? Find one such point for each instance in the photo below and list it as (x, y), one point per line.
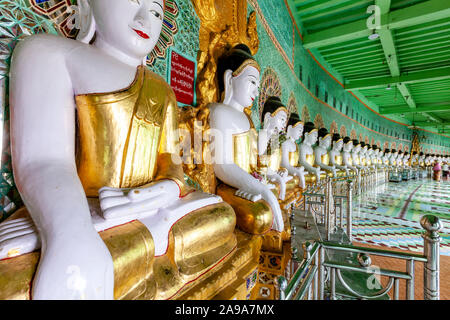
(390, 215)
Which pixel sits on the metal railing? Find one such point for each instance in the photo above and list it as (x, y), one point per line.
(317, 277)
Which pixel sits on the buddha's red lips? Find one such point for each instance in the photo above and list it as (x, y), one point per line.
(142, 34)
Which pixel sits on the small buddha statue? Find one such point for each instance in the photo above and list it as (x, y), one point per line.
(387, 157)
(393, 158)
(355, 155)
(321, 156)
(336, 158)
(399, 159)
(235, 145)
(363, 155)
(421, 159)
(347, 155)
(310, 135)
(290, 149)
(269, 143)
(374, 156)
(406, 158)
(122, 175)
(415, 159)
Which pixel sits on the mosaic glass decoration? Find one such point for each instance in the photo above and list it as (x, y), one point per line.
(393, 145)
(318, 121)
(353, 134)
(292, 104)
(305, 114)
(343, 131)
(60, 12)
(385, 145)
(333, 127)
(366, 139)
(270, 86)
(400, 147)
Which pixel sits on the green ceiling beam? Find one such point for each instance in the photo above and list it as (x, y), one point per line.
(419, 109)
(416, 14)
(421, 76)
(406, 95)
(431, 124)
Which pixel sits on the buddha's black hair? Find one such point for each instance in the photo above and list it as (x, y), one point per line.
(293, 120)
(232, 60)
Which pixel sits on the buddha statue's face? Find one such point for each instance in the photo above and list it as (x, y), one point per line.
(337, 145)
(311, 137)
(348, 146)
(370, 152)
(279, 120)
(357, 148)
(245, 86)
(325, 142)
(130, 26)
(364, 150)
(296, 132)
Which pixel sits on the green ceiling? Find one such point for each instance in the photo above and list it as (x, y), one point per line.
(411, 56)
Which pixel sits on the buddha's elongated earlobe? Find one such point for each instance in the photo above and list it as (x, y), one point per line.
(87, 22)
(266, 120)
(227, 80)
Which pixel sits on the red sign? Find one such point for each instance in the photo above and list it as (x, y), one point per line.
(182, 78)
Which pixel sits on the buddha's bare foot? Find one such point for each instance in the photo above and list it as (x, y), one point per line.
(18, 237)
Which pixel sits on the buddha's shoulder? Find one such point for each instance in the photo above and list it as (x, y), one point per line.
(45, 46)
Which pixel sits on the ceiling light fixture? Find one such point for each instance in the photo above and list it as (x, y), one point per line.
(388, 87)
(374, 35)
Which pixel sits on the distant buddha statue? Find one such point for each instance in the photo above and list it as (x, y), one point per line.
(387, 158)
(122, 175)
(399, 159)
(406, 158)
(356, 156)
(290, 149)
(310, 135)
(235, 145)
(322, 158)
(421, 159)
(269, 143)
(347, 155)
(374, 156)
(393, 158)
(336, 157)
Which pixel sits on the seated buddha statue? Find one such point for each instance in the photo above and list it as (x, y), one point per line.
(355, 155)
(421, 160)
(290, 149)
(321, 155)
(373, 156)
(306, 159)
(406, 160)
(380, 155)
(393, 158)
(269, 144)
(112, 168)
(347, 155)
(399, 159)
(336, 158)
(235, 145)
(387, 158)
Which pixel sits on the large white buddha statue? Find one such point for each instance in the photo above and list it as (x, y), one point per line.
(406, 157)
(235, 145)
(321, 155)
(95, 147)
(290, 149)
(336, 157)
(347, 155)
(306, 159)
(421, 159)
(393, 158)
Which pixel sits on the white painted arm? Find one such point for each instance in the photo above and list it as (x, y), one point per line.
(286, 148)
(43, 154)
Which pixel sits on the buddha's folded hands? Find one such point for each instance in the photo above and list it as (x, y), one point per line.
(115, 202)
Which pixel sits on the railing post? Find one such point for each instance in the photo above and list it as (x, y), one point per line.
(328, 207)
(322, 273)
(432, 239)
(282, 285)
(349, 208)
(410, 283)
